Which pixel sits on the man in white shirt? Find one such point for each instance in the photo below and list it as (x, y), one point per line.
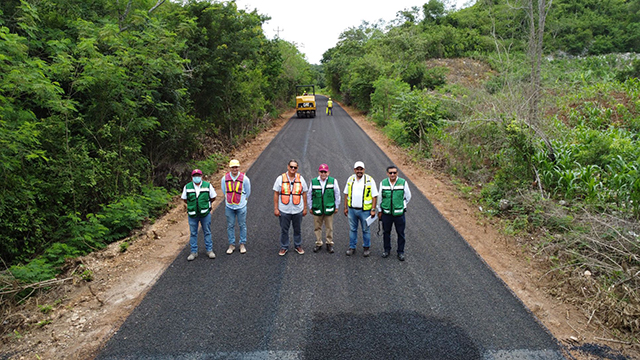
(290, 205)
(361, 197)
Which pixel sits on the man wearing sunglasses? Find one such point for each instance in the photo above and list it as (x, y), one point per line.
(324, 201)
(392, 204)
(290, 205)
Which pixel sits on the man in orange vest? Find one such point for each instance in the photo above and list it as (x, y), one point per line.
(236, 189)
(290, 205)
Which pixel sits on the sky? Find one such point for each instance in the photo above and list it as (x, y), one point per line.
(316, 26)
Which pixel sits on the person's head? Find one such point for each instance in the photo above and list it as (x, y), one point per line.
(234, 167)
(196, 176)
(292, 167)
(392, 173)
(323, 171)
(358, 168)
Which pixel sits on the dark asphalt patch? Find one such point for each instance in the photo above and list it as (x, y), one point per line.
(388, 335)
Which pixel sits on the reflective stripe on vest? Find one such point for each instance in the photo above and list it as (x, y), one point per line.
(198, 206)
(234, 188)
(392, 202)
(286, 192)
(367, 199)
(323, 203)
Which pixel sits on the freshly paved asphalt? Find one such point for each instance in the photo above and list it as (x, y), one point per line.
(443, 302)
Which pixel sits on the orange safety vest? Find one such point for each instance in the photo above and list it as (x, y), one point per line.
(234, 188)
(286, 192)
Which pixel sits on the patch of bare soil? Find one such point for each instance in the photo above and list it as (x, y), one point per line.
(86, 313)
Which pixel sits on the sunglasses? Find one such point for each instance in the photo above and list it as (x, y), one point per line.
(322, 171)
(293, 167)
(392, 172)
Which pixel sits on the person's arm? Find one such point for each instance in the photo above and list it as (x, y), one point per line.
(247, 187)
(378, 208)
(276, 212)
(407, 194)
(346, 198)
(374, 195)
(336, 196)
(305, 191)
(309, 193)
(212, 193)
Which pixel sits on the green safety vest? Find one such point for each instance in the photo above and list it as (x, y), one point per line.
(323, 203)
(201, 205)
(392, 202)
(367, 199)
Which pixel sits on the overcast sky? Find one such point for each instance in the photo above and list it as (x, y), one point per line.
(314, 26)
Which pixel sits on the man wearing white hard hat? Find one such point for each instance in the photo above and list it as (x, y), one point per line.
(236, 188)
(198, 195)
(361, 196)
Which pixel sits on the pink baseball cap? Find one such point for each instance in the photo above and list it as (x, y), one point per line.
(323, 167)
(196, 171)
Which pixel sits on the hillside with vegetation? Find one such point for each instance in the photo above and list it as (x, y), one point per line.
(539, 126)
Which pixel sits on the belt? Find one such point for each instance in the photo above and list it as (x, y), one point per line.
(355, 208)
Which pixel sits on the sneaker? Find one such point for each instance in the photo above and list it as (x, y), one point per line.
(366, 252)
(230, 249)
(192, 256)
(401, 256)
(299, 250)
(211, 254)
(282, 252)
(385, 254)
(330, 248)
(351, 251)
(243, 249)
(317, 248)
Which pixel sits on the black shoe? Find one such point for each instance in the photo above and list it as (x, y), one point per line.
(366, 252)
(351, 251)
(317, 248)
(385, 254)
(401, 256)
(330, 248)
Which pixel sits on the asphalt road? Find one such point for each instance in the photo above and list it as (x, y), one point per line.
(443, 302)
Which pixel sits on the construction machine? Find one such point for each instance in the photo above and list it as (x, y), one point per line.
(305, 101)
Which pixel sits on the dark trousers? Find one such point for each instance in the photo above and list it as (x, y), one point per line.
(400, 223)
(286, 220)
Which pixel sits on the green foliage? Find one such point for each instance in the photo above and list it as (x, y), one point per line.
(124, 246)
(212, 163)
(96, 103)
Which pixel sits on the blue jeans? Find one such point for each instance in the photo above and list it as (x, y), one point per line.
(241, 215)
(206, 229)
(285, 222)
(355, 216)
(400, 223)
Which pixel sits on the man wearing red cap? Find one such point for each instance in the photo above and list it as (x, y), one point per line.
(198, 195)
(324, 201)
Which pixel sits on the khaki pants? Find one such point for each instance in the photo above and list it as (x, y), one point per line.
(318, 220)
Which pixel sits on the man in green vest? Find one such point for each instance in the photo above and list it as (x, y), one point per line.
(198, 195)
(324, 201)
(392, 204)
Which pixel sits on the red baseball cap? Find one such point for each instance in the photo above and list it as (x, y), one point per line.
(323, 167)
(196, 171)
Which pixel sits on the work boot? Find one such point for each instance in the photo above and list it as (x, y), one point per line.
(366, 252)
(330, 248)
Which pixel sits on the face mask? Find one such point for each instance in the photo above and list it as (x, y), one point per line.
(197, 179)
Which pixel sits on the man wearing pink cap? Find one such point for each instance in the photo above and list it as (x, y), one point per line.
(324, 201)
(198, 195)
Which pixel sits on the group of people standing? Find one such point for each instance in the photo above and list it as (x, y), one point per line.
(293, 199)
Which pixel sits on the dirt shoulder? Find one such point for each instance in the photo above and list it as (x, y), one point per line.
(84, 315)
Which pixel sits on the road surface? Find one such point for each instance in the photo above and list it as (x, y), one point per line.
(443, 302)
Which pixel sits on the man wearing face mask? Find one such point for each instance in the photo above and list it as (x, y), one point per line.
(198, 195)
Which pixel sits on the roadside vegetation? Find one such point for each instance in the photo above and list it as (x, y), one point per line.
(534, 107)
(107, 105)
